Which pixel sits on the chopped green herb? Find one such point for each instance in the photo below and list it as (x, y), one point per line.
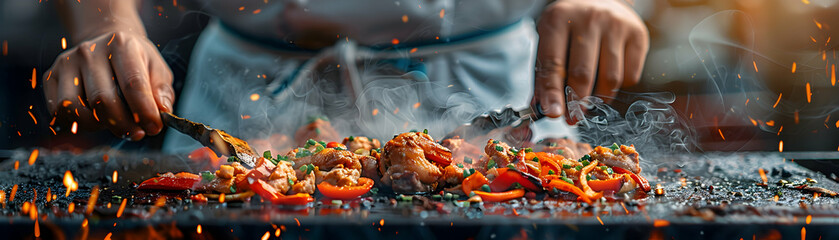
(447, 196)
(281, 158)
(560, 151)
(563, 174)
(207, 176)
(460, 165)
(552, 144)
(551, 172)
(290, 182)
(585, 158)
(233, 159)
(499, 148)
(514, 151)
(267, 155)
(609, 170)
(511, 166)
(319, 148)
(304, 168)
(337, 202)
(436, 197)
(516, 185)
(535, 159)
(317, 131)
(566, 166)
(351, 138)
(374, 191)
(567, 180)
(467, 160)
(615, 146)
(588, 177)
(485, 188)
(274, 161)
(466, 174)
(338, 148)
(301, 152)
(425, 131)
(322, 143)
(310, 169)
(471, 171)
(495, 141)
(491, 164)
(603, 168)
(528, 150)
(311, 142)
(578, 168)
(586, 162)
(233, 188)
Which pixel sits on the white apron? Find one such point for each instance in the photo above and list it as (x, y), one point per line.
(254, 89)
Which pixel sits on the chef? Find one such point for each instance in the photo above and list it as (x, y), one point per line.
(372, 68)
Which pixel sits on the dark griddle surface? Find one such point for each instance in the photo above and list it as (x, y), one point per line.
(736, 207)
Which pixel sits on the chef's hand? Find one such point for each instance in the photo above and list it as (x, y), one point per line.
(116, 80)
(592, 46)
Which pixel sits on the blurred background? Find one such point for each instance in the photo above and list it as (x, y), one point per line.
(747, 75)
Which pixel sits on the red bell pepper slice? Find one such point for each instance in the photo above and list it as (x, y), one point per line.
(271, 194)
(474, 181)
(346, 192)
(568, 187)
(638, 178)
(180, 181)
(500, 196)
(506, 177)
(203, 154)
(335, 144)
(591, 194)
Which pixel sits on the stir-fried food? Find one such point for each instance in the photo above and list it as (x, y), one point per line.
(413, 163)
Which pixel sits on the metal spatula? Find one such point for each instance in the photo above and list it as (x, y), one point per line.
(217, 140)
(518, 120)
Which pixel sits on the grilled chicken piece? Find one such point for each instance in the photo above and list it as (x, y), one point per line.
(319, 130)
(499, 152)
(328, 159)
(412, 162)
(281, 175)
(339, 176)
(624, 157)
(306, 185)
(563, 146)
(355, 143)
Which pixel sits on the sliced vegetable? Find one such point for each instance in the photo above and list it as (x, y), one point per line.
(169, 181)
(271, 194)
(335, 144)
(568, 187)
(507, 177)
(638, 178)
(500, 196)
(591, 194)
(474, 181)
(612, 184)
(346, 192)
(203, 154)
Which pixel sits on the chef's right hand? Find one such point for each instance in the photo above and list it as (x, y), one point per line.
(116, 80)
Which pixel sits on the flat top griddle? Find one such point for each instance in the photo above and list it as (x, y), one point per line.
(710, 195)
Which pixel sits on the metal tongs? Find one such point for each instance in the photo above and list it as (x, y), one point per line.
(217, 140)
(514, 124)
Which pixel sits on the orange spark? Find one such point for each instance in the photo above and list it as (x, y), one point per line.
(254, 97)
(114, 177)
(34, 78)
(14, 192)
(257, 11)
(809, 94)
(755, 64)
(241, 8)
(63, 43)
(92, 47)
(112, 39)
(375, 112)
(661, 223)
(808, 219)
(17, 165)
(74, 127)
(91, 202)
(3, 198)
(413, 50)
(75, 81)
(723, 136)
(221, 198)
(394, 41)
(277, 233)
(793, 67)
(753, 121)
(812, 39)
(33, 117)
(382, 222)
(781, 129)
(65, 103)
(404, 18)
(246, 116)
(795, 116)
(37, 229)
(779, 100)
(70, 183)
(781, 146)
(266, 235)
(770, 123)
(747, 102)
(33, 156)
(832, 74)
(818, 24)
(416, 105)
(5, 47)
(198, 229)
(121, 207)
(762, 175)
(598, 219)
(442, 13)
(803, 233)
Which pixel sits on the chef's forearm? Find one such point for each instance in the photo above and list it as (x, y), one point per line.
(90, 18)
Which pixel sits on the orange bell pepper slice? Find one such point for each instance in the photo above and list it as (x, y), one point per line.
(591, 194)
(335, 144)
(568, 187)
(500, 196)
(271, 194)
(613, 184)
(475, 181)
(346, 192)
(645, 185)
(506, 177)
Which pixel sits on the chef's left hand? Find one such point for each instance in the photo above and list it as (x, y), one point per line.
(593, 46)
